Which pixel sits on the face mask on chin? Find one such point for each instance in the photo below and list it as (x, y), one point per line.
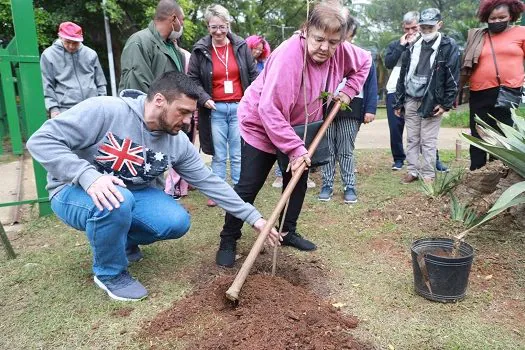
(498, 27)
(174, 35)
(429, 36)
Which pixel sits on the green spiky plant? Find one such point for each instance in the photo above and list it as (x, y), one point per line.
(509, 147)
(443, 183)
(462, 213)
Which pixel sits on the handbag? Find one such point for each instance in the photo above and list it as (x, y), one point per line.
(507, 97)
(321, 155)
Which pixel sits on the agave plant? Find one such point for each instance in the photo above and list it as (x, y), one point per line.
(509, 147)
(462, 213)
(442, 184)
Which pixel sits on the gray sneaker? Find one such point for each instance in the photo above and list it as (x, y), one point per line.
(326, 194)
(350, 196)
(123, 287)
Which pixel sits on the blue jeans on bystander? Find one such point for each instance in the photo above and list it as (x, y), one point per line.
(396, 126)
(226, 140)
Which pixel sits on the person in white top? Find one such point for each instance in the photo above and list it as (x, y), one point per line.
(393, 54)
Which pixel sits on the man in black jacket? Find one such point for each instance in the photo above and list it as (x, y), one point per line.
(426, 88)
(393, 54)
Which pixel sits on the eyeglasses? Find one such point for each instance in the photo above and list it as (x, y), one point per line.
(216, 28)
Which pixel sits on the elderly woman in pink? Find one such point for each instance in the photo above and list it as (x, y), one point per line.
(260, 50)
(275, 103)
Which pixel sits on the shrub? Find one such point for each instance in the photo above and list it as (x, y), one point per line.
(456, 119)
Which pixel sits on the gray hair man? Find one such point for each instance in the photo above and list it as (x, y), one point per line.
(395, 49)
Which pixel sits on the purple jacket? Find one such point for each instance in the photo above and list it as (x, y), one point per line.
(275, 102)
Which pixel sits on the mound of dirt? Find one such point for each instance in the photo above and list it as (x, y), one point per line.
(272, 314)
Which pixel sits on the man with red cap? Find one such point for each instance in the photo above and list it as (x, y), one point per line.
(71, 71)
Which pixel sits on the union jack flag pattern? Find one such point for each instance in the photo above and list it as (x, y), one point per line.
(125, 159)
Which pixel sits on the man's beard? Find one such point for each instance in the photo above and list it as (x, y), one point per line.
(163, 125)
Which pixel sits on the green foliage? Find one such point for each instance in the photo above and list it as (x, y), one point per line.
(443, 183)
(509, 147)
(384, 18)
(325, 96)
(6, 25)
(521, 112)
(265, 18)
(456, 119)
(461, 213)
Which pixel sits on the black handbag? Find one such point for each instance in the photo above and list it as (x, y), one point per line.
(507, 97)
(321, 155)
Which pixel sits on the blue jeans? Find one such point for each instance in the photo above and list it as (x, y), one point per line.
(145, 216)
(396, 126)
(226, 139)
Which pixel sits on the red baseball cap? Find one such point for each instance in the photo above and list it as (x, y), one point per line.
(70, 31)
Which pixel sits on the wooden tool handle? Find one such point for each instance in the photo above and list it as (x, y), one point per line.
(233, 292)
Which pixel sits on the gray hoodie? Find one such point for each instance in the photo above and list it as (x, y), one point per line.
(70, 78)
(108, 135)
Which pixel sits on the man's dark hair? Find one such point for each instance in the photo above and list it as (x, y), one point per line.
(172, 85)
(166, 9)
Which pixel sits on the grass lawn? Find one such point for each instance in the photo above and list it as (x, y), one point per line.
(48, 298)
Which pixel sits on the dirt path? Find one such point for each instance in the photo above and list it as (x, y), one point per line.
(377, 135)
(8, 193)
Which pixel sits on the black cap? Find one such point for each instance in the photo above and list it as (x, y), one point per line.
(430, 17)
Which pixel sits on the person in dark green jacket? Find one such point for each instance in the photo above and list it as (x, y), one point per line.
(151, 51)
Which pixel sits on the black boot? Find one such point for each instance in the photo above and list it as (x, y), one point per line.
(227, 251)
(295, 240)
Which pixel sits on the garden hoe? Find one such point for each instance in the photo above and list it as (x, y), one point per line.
(233, 292)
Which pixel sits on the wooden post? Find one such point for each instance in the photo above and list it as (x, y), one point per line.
(5, 242)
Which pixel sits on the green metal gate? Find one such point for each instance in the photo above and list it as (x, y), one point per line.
(22, 109)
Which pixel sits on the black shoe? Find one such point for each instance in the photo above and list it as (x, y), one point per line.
(226, 253)
(295, 240)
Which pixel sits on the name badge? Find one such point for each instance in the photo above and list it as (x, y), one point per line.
(228, 87)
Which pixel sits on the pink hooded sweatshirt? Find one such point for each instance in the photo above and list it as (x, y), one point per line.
(274, 102)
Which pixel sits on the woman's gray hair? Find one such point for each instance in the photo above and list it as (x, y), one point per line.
(328, 16)
(215, 10)
(412, 16)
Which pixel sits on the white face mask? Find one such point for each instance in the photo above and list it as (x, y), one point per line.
(429, 36)
(175, 35)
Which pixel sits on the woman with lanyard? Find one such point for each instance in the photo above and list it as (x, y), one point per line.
(222, 64)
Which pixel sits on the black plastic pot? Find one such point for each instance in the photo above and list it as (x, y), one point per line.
(437, 275)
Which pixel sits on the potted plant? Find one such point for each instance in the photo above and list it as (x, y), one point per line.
(442, 266)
